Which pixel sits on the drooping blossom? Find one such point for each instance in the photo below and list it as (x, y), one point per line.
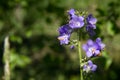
(65, 29)
(93, 48)
(64, 34)
(89, 67)
(91, 21)
(90, 30)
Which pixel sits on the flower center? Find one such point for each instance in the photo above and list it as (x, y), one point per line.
(77, 23)
(92, 50)
(88, 69)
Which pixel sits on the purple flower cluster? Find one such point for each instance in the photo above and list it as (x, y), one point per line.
(92, 48)
(65, 31)
(76, 22)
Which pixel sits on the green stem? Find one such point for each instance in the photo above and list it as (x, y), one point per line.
(80, 53)
(6, 59)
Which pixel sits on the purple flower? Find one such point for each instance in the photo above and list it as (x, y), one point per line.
(64, 39)
(64, 34)
(101, 45)
(91, 21)
(72, 46)
(65, 29)
(89, 67)
(71, 12)
(90, 48)
(76, 22)
(90, 30)
(93, 48)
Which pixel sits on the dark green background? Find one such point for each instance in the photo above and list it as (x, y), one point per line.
(35, 51)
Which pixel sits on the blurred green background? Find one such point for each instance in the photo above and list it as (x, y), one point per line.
(35, 51)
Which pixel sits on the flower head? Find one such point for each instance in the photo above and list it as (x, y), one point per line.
(101, 45)
(90, 30)
(65, 29)
(91, 20)
(76, 22)
(89, 67)
(64, 34)
(64, 39)
(93, 48)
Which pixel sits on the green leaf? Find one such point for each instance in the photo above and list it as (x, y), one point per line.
(110, 28)
(108, 60)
